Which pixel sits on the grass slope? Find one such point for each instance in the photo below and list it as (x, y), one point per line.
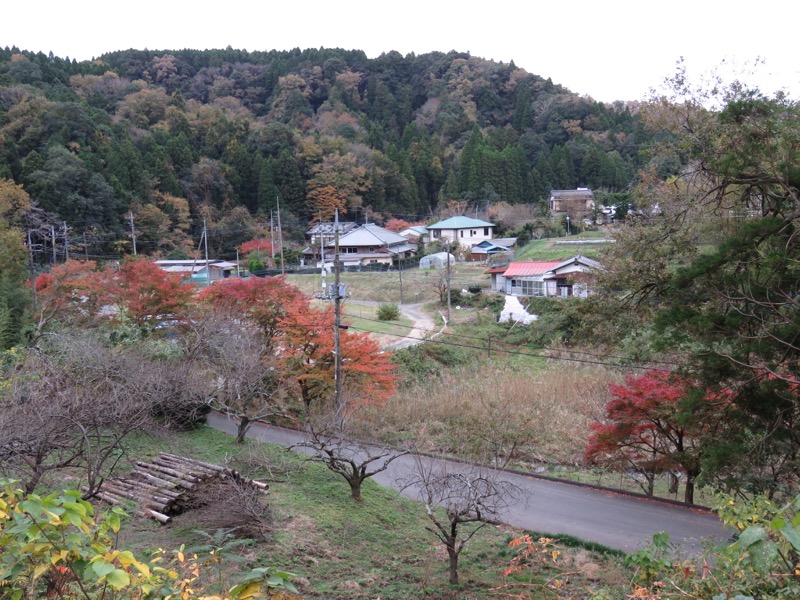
(377, 549)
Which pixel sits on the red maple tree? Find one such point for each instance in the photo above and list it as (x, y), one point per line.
(148, 294)
(72, 292)
(656, 423)
(302, 336)
(260, 245)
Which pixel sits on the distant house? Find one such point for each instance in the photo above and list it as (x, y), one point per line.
(366, 244)
(200, 271)
(464, 230)
(483, 251)
(574, 203)
(573, 277)
(414, 232)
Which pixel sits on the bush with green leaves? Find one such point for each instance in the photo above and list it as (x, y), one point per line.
(388, 312)
(763, 563)
(55, 546)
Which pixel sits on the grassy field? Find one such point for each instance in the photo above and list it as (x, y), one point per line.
(562, 248)
(384, 286)
(377, 549)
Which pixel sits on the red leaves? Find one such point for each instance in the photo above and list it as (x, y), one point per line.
(148, 293)
(648, 426)
(302, 336)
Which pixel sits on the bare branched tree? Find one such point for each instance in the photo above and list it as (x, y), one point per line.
(71, 405)
(248, 386)
(459, 501)
(355, 462)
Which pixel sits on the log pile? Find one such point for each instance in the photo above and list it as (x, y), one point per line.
(169, 485)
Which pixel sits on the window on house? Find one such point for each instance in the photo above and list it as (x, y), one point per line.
(462, 233)
(486, 231)
(530, 288)
(471, 233)
(436, 234)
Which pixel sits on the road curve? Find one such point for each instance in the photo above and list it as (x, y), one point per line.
(615, 520)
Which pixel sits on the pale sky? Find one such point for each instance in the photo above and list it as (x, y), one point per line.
(612, 50)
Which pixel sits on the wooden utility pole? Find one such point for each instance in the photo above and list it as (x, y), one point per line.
(338, 408)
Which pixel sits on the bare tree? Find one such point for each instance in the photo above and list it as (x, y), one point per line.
(459, 501)
(248, 386)
(354, 462)
(70, 406)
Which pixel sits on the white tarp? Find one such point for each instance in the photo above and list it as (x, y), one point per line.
(514, 311)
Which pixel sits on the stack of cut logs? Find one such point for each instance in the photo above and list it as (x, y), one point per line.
(162, 486)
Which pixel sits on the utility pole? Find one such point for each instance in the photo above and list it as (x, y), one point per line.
(205, 241)
(322, 271)
(448, 281)
(280, 235)
(271, 236)
(133, 234)
(400, 271)
(30, 270)
(337, 316)
(66, 243)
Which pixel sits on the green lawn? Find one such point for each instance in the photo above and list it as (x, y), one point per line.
(341, 549)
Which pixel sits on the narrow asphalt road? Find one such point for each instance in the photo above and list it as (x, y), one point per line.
(547, 506)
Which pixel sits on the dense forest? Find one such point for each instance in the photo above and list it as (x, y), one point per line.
(167, 140)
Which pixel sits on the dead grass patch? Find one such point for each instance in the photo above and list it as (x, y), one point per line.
(496, 412)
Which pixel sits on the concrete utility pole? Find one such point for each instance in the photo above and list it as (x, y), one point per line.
(448, 281)
(280, 235)
(133, 234)
(205, 241)
(338, 408)
(66, 243)
(31, 272)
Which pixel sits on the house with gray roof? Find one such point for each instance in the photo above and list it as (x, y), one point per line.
(575, 204)
(367, 244)
(464, 230)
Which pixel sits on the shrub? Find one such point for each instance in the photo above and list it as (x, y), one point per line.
(388, 312)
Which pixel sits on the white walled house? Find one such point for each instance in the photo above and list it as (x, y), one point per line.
(367, 244)
(464, 230)
(572, 277)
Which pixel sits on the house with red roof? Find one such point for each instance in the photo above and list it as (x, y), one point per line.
(572, 277)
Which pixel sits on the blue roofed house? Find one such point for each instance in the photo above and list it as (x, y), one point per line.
(464, 230)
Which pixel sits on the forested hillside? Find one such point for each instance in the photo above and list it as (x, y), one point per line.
(166, 139)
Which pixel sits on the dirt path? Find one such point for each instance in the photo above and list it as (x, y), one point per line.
(422, 325)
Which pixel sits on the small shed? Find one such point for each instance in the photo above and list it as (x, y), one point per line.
(436, 261)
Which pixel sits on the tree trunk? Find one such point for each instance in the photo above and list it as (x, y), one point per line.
(673, 483)
(453, 555)
(355, 489)
(651, 483)
(241, 430)
(688, 496)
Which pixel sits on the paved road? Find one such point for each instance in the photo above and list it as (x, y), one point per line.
(615, 520)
